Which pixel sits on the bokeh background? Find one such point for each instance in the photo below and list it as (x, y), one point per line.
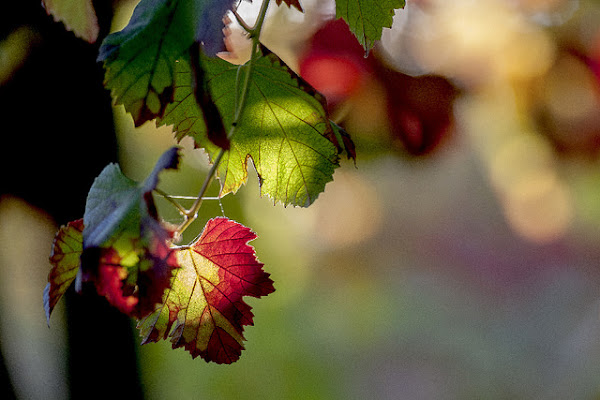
(458, 258)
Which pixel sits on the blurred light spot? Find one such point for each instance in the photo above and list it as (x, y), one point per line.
(335, 77)
(348, 212)
(282, 243)
(521, 166)
(491, 40)
(529, 54)
(517, 159)
(468, 47)
(539, 209)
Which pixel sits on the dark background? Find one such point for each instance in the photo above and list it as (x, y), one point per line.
(57, 135)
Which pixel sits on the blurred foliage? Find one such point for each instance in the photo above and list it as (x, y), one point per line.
(469, 270)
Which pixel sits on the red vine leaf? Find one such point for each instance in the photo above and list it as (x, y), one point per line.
(132, 272)
(204, 311)
(66, 250)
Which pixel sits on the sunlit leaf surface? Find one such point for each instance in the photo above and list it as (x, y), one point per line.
(284, 130)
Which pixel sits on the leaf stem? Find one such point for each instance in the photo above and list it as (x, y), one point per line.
(171, 199)
(191, 214)
(181, 197)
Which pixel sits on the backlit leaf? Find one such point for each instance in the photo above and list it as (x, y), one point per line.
(284, 130)
(367, 18)
(204, 311)
(66, 250)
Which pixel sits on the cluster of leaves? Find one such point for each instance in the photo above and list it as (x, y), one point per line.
(192, 293)
(162, 67)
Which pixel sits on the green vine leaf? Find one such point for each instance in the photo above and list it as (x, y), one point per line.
(367, 18)
(284, 129)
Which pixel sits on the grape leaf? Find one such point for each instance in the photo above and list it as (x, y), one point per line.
(77, 15)
(125, 249)
(367, 18)
(284, 129)
(66, 250)
(204, 311)
(139, 60)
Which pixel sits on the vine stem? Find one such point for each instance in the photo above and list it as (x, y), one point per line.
(191, 214)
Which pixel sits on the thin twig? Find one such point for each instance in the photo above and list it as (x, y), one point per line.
(171, 199)
(241, 21)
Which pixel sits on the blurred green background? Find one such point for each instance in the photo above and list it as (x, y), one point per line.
(467, 268)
